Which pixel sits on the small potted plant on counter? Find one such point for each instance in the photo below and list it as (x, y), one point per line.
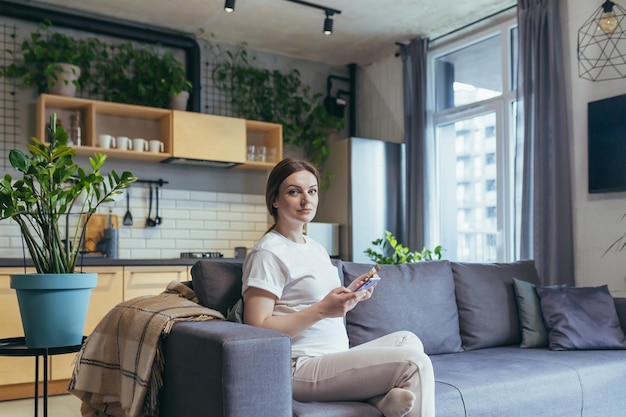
(51, 203)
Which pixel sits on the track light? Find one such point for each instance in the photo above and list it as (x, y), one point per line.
(328, 26)
(328, 22)
(229, 6)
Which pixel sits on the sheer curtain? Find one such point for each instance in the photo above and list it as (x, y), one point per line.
(414, 66)
(546, 217)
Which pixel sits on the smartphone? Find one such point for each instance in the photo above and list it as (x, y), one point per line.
(372, 280)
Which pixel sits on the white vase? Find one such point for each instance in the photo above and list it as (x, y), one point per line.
(65, 82)
(179, 101)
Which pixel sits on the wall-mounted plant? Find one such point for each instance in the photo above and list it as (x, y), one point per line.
(141, 75)
(279, 97)
(620, 244)
(390, 251)
(44, 51)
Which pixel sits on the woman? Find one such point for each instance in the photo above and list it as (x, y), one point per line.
(290, 285)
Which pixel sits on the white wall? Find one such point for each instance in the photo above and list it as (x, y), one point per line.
(597, 217)
(198, 221)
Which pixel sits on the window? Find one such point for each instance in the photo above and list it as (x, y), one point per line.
(473, 140)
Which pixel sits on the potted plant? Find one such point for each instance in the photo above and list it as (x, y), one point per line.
(55, 62)
(51, 203)
(390, 251)
(141, 75)
(277, 97)
(175, 78)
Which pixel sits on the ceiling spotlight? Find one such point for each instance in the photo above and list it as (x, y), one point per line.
(328, 26)
(328, 22)
(229, 6)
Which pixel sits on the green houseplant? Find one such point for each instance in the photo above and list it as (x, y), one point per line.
(43, 202)
(390, 251)
(45, 54)
(279, 97)
(141, 75)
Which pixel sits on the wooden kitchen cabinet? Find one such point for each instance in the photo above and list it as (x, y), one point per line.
(207, 137)
(13, 370)
(115, 284)
(151, 280)
(103, 117)
(265, 134)
(108, 293)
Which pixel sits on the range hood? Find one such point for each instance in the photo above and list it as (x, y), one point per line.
(200, 162)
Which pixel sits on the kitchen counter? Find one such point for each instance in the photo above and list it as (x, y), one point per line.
(102, 261)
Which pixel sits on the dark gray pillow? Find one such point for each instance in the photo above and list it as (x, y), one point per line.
(533, 329)
(487, 306)
(217, 283)
(581, 318)
(418, 297)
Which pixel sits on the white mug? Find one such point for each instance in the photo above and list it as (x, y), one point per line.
(156, 146)
(124, 143)
(106, 141)
(140, 145)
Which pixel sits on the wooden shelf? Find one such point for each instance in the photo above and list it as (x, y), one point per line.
(184, 134)
(115, 119)
(265, 134)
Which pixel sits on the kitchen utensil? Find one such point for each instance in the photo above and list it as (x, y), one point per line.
(157, 218)
(149, 220)
(128, 218)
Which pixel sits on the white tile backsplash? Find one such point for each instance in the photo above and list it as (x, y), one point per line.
(192, 221)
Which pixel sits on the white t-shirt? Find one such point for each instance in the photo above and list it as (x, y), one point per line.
(299, 274)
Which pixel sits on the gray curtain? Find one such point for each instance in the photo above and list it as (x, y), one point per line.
(414, 78)
(546, 217)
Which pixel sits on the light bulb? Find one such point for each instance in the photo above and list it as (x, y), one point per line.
(608, 22)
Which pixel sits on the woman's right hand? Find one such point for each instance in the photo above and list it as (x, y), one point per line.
(339, 301)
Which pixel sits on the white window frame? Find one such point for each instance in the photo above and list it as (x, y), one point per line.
(505, 131)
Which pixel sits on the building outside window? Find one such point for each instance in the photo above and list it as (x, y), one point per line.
(473, 94)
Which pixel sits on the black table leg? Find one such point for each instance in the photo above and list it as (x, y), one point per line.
(45, 383)
(36, 386)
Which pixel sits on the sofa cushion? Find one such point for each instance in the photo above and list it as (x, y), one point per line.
(418, 297)
(532, 327)
(581, 318)
(487, 306)
(217, 283)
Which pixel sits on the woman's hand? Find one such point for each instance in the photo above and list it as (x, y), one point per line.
(339, 301)
(358, 282)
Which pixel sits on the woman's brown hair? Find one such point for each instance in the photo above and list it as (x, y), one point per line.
(281, 171)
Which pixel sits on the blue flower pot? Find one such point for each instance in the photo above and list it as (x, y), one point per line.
(53, 307)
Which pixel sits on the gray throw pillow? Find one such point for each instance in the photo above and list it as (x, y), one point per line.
(418, 297)
(581, 318)
(533, 329)
(487, 307)
(217, 283)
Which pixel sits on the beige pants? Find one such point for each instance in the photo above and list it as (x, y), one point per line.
(369, 370)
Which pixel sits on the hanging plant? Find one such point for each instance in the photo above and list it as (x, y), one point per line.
(257, 93)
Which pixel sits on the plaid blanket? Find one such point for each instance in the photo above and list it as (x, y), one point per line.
(117, 372)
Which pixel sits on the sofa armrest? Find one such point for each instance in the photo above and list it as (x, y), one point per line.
(620, 306)
(220, 368)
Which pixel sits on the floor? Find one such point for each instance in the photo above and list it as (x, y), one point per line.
(58, 406)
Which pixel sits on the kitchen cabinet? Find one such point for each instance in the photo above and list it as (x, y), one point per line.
(115, 284)
(150, 280)
(13, 370)
(204, 139)
(104, 297)
(265, 134)
(103, 117)
(207, 137)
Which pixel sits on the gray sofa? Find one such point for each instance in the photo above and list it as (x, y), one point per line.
(467, 315)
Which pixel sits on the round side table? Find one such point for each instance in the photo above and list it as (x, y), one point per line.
(16, 346)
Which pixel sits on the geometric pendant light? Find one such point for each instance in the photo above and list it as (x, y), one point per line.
(602, 44)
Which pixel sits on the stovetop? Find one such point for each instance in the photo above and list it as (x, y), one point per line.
(199, 255)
